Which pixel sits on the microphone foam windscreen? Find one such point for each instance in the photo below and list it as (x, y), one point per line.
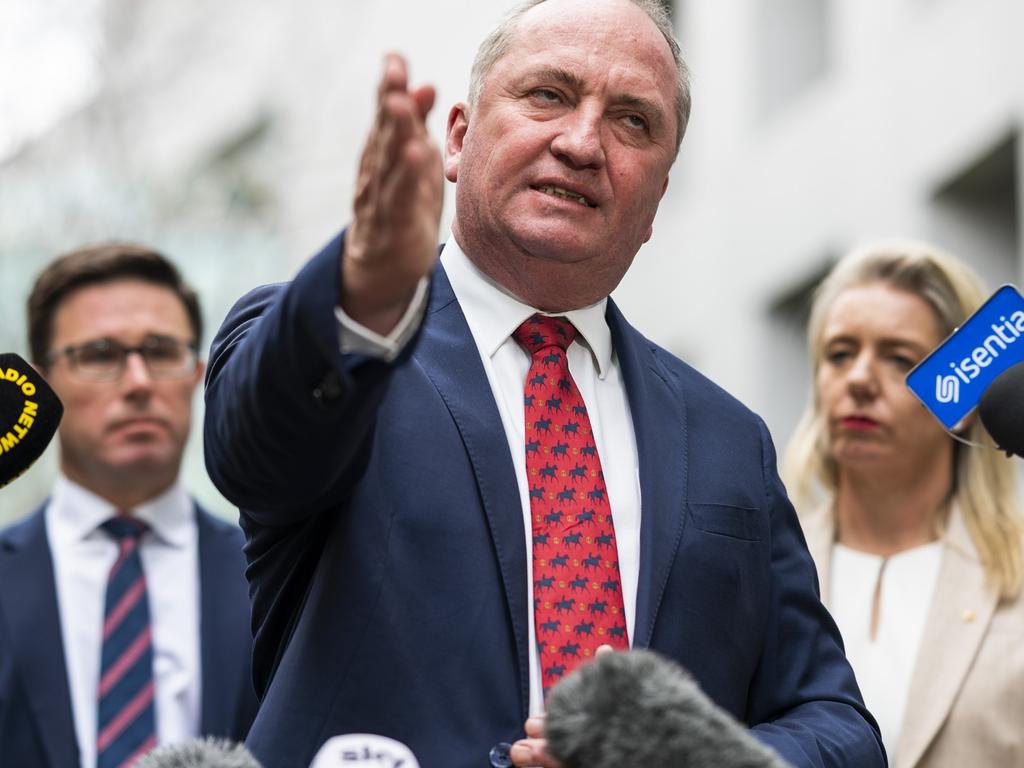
(199, 753)
(1001, 409)
(637, 708)
(29, 414)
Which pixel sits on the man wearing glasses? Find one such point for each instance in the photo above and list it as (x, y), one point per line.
(125, 603)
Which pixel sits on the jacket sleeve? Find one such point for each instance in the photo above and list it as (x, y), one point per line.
(804, 697)
(289, 418)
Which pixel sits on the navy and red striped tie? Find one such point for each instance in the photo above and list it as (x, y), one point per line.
(126, 722)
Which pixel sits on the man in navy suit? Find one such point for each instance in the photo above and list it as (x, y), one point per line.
(91, 676)
(370, 420)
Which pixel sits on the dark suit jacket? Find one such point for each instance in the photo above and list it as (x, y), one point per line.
(36, 722)
(387, 556)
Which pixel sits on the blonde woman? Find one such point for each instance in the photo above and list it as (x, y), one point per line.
(917, 538)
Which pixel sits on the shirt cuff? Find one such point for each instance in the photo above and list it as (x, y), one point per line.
(354, 338)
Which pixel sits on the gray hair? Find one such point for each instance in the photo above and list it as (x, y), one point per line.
(496, 45)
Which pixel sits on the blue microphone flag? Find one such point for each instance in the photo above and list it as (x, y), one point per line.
(952, 379)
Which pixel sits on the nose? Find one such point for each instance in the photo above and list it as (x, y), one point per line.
(136, 376)
(861, 377)
(578, 142)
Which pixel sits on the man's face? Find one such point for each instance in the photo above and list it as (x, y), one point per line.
(128, 433)
(562, 162)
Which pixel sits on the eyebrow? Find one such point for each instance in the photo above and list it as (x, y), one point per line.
(885, 343)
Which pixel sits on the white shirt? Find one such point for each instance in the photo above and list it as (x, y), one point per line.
(905, 583)
(82, 557)
(492, 316)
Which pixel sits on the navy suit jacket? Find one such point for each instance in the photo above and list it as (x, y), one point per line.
(387, 556)
(36, 721)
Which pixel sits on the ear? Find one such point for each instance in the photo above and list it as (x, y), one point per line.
(200, 372)
(458, 124)
(650, 229)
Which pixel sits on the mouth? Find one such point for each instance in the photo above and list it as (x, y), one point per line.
(565, 194)
(141, 423)
(861, 423)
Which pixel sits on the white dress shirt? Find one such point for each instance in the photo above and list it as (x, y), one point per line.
(884, 664)
(492, 315)
(82, 557)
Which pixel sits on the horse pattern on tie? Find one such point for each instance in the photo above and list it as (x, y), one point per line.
(577, 589)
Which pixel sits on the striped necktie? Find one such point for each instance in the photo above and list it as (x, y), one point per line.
(126, 725)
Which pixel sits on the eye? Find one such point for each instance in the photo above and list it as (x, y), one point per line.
(902, 362)
(837, 356)
(100, 352)
(546, 95)
(637, 122)
(162, 349)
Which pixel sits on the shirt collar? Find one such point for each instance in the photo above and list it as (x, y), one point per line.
(80, 512)
(493, 313)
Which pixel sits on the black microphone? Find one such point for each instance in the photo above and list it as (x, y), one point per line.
(199, 753)
(29, 414)
(1001, 409)
(638, 708)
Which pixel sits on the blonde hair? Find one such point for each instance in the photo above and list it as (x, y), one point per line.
(984, 483)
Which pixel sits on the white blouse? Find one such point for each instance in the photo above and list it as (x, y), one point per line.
(884, 664)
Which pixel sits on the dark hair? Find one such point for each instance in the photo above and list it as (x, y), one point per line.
(100, 264)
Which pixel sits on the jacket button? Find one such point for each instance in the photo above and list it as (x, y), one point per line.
(500, 755)
(328, 389)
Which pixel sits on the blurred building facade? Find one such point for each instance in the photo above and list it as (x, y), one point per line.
(227, 134)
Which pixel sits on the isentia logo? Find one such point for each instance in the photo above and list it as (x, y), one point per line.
(1005, 332)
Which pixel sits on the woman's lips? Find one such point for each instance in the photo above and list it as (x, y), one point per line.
(858, 422)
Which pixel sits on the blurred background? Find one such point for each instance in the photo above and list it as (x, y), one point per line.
(227, 134)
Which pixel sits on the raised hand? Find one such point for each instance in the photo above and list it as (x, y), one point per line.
(392, 242)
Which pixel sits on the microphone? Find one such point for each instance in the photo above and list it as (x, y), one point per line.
(29, 414)
(638, 708)
(1001, 409)
(365, 750)
(199, 753)
(955, 376)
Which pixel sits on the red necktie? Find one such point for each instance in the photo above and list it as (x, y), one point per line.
(577, 592)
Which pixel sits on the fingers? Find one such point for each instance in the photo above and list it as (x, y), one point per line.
(535, 727)
(424, 97)
(395, 77)
(532, 753)
(398, 146)
(392, 242)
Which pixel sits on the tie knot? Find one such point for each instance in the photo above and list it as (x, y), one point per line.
(542, 331)
(124, 527)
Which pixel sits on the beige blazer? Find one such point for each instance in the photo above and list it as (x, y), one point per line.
(965, 707)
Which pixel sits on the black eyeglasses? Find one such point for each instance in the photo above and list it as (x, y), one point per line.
(104, 359)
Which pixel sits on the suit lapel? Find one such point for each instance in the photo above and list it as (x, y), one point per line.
(218, 622)
(957, 622)
(659, 422)
(28, 600)
(446, 353)
(819, 529)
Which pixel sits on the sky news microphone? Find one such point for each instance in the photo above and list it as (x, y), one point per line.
(1001, 409)
(635, 708)
(199, 753)
(29, 414)
(364, 750)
